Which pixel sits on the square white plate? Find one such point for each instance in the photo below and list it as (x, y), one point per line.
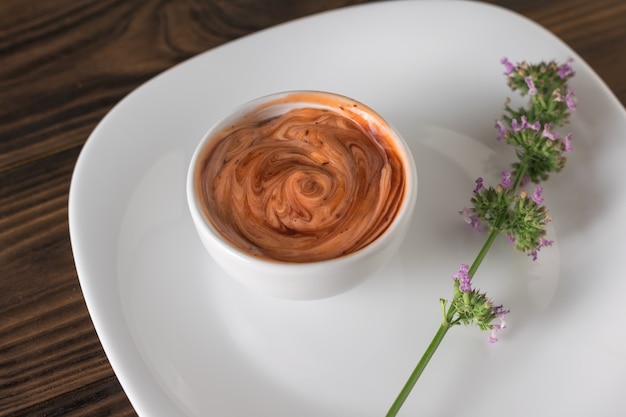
(184, 340)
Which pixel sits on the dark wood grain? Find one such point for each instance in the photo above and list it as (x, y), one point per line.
(63, 65)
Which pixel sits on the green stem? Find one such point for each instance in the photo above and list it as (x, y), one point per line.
(483, 251)
(520, 174)
(421, 365)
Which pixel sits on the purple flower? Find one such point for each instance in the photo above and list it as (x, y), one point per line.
(570, 100)
(510, 238)
(499, 311)
(470, 218)
(547, 134)
(479, 185)
(536, 197)
(534, 126)
(543, 242)
(506, 179)
(464, 279)
(525, 125)
(495, 328)
(501, 129)
(519, 126)
(532, 90)
(567, 140)
(566, 70)
(508, 67)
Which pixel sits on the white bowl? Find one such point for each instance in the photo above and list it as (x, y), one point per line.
(305, 280)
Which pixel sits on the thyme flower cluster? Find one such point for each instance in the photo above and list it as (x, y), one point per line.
(529, 130)
(474, 307)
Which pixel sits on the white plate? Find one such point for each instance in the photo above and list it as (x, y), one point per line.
(185, 340)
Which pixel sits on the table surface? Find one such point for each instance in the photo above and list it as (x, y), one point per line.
(63, 65)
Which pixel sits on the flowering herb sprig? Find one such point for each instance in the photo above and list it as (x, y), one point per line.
(508, 208)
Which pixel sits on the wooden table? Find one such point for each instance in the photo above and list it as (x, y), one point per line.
(63, 65)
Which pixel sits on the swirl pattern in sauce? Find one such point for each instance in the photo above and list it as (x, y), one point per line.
(308, 185)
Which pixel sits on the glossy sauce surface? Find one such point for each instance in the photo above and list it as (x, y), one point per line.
(308, 185)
